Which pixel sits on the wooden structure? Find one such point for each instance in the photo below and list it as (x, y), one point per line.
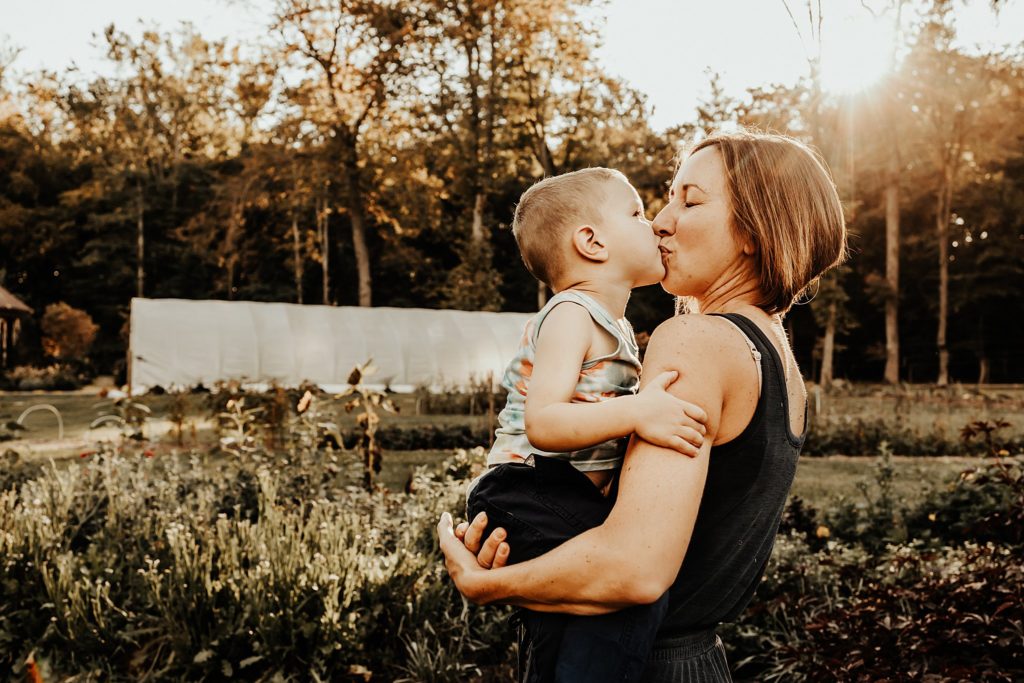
(12, 310)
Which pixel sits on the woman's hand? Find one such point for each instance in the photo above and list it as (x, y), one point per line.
(667, 421)
(467, 559)
(490, 554)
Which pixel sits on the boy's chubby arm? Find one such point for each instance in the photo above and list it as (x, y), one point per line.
(554, 423)
(635, 555)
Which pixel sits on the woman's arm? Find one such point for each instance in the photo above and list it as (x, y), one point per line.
(635, 555)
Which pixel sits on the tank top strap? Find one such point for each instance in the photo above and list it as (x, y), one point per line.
(626, 342)
(772, 371)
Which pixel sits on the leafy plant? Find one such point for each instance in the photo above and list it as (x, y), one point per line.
(127, 413)
(68, 333)
(368, 402)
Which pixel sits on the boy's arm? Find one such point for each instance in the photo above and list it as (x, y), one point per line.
(554, 423)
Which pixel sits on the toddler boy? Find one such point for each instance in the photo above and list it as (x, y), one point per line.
(572, 398)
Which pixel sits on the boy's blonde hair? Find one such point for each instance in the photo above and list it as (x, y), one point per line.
(546, 212)
(784, 201)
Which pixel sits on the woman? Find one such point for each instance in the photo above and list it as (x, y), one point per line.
(752, 221)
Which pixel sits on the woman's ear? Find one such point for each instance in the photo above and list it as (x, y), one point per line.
(749, 248)
(588, 244)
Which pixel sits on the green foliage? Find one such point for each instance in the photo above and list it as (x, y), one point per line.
(409, 166)
(143, 567)
(842, 613)
(68, 333)
(478, 398)
(473, 284)
(55, 377)
(277, 563)
(846, 435)
(871, 589)
(986, 502)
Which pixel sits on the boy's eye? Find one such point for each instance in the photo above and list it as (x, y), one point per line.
(638, 213)
(689, 204)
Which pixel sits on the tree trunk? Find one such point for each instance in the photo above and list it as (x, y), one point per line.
(323, 230)
(983, 365)
(892, 268)
(892, 219)
(231, 278)
(828, 347)
(297, 258)
(477, 234)
(356, 213)
(942, 233)
(140, 240)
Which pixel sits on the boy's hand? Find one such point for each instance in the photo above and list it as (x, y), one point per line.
(667, 421)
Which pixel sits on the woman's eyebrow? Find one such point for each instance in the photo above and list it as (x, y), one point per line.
(687, 186)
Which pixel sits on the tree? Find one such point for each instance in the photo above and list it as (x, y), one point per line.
(955, 91)
(68, 333)
(562, 98)
(829, 301)
(353, 50)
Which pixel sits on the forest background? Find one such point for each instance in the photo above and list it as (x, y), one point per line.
(370, 152)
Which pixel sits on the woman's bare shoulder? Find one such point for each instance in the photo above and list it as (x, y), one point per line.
(712, 339)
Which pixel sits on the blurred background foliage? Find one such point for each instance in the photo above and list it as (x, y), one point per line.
(371, 152)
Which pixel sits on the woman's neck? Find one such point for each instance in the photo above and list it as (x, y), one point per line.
(730, 295)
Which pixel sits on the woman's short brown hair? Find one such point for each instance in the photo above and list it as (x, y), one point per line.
(785, 203)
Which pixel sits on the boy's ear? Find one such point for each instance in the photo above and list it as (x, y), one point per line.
(588, 244)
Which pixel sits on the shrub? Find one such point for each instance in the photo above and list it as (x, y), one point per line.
(424, 437)
(985, 503)
(911, 613)
(68, 333)
(479, 398)
(57, 377)
(140, 567)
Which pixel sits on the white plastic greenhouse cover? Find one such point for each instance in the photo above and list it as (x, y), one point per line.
(181, 343)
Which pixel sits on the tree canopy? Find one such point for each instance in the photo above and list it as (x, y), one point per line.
(370, 152)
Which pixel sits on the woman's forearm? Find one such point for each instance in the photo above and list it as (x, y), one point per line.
(581, 576)
(630, 559)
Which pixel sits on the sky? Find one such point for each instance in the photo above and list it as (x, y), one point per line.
(664, 48)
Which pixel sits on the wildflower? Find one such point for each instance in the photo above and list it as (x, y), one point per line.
(931, 516)
(304, 403)
(822, 531)
(149, 452)
(86, 454)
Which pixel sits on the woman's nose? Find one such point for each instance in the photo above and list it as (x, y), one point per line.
(663, 225)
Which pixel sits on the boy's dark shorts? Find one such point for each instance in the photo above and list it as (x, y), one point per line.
(540, 506)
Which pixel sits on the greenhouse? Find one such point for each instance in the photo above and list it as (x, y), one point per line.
(184, 343)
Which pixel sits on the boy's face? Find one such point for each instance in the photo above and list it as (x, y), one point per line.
(631, 240)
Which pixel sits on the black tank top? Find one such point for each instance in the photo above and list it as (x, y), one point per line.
(748, 481)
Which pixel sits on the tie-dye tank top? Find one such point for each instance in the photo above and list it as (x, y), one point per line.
(601, 378)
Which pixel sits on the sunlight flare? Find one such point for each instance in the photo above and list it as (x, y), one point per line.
(856, 54)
